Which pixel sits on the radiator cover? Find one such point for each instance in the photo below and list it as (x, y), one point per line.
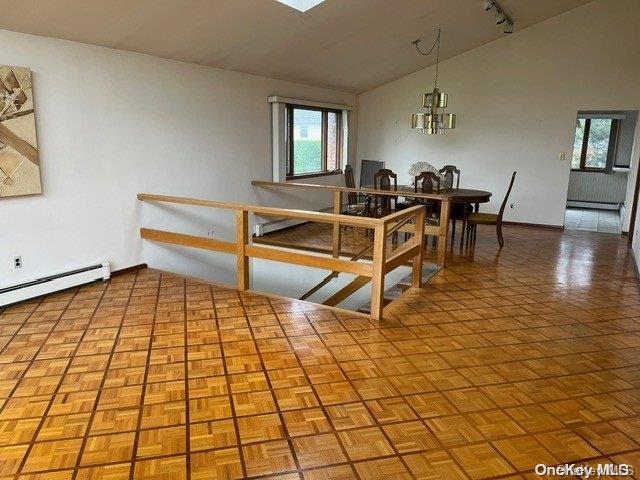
(54, 283)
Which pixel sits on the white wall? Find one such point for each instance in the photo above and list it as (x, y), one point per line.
(112, 124)
(516, 100)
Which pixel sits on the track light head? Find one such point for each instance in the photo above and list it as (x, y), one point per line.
(488, 5)
(508, 27)
(501, 17)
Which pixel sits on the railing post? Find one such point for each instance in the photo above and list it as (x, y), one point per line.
(418, 238)
(242, 238)
(444, 230)
(377, 274)
(337, 209)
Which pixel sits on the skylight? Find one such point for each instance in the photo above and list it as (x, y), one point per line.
(301, 5)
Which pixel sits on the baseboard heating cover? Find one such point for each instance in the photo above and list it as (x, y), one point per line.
(281, 223)
(54, 283)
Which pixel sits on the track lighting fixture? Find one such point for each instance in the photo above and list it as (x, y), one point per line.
(488, 5)
(501, 17)
(508, 27)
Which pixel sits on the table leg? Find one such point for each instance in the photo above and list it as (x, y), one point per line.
(444, 228)
(465, 216)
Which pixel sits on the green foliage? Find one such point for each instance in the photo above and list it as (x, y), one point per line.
(307, 156)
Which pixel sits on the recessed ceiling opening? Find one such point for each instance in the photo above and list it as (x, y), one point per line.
(301, 5)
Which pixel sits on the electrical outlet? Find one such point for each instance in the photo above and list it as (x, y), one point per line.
(17, 261)
(562, 156)
(511, 205)
(210, 233)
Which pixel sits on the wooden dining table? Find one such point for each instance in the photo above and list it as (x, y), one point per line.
(454, 195)
(446, 197)
(465, 196)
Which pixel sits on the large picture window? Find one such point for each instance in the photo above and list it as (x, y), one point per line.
(594, 144)
(314, 141)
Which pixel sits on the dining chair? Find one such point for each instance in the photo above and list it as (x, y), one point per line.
(385, 179)
(428, 182)
(459, 211)
(425, 182)
(449, 173)
(354, 205)
(477, 218)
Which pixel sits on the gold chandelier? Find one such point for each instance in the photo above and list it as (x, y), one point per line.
(435, 121)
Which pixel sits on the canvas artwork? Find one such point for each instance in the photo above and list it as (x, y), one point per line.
(19, 165)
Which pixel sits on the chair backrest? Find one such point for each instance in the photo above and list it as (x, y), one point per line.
(506, 197)
(384, 179)
(428, 182)
(349, 181)
(449, 171)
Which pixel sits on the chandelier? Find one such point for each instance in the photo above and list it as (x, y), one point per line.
(435, 121)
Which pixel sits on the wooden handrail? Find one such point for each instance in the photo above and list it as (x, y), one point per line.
(441, 231)
(401, 214)
(354, 258)
(361, 191)
(308, 260)
(307, 215)
(184, 240)
(243, 249)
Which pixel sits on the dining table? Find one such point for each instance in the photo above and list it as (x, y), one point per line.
(460, 196)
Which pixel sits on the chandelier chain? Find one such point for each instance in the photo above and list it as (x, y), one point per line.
(436, 45)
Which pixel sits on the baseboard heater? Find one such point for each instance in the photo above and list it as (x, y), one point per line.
(281, 223)
(54, 283)
(594, 205)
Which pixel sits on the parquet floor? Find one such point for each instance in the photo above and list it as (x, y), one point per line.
(503, 361)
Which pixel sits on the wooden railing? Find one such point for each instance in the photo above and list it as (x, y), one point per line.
(439, 230)
(243, 249)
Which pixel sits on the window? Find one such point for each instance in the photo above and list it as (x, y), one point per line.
(313, 141)
(594, 144)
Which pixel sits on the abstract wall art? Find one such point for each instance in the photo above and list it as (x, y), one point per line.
(19, 164)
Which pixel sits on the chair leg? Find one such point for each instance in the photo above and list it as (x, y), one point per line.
(499, 232)
(453, 231)
(464, 226)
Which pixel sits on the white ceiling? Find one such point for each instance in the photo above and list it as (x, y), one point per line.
(351, 45)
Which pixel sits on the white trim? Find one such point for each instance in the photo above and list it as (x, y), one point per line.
(309, 103)
(606, 116)
(278, 143)
(279, 134)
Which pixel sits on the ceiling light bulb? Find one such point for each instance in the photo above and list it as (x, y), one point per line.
(487, 5)
(500, 17)
(508, 27)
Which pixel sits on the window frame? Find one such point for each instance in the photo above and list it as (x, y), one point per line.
(290, 170)
(613, 143)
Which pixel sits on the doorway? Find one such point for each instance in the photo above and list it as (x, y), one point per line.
(600, 168)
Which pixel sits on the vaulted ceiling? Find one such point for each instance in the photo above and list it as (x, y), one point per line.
(351, 45)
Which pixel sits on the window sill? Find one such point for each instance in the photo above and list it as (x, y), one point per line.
(589, 170)
(312, 175)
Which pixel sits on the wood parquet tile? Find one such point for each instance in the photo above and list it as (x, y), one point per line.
(502, 361)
